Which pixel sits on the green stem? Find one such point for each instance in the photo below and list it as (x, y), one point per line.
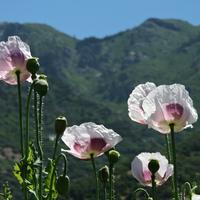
(111, 181)
(40, 147)
(142, 190)
(53, 159)
(27, 120)
(104, 191)
(21, 124)
(167, 141)
(185, 187)
(20, 112)
(175, 186)
(154, 196)
(54, 170)
(96, 177)
(55, 147)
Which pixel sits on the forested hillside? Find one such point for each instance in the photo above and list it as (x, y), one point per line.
(91, 79)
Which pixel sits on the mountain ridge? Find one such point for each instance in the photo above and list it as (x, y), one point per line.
(91, 79)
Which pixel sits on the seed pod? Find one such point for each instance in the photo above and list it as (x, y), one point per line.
(41, 86)
(103, 174)
(113, 156)
(60, 125)
(153, 166)
(33, 65)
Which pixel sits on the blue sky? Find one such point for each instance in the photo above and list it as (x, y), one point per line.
(84, 18)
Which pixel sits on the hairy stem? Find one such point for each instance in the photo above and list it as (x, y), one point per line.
(40, 147)
(20, 113)
(154, 196)
(27, 119)
(175, 186)
(168, 144)
(55, 147)
(96, 177)
(111, 181)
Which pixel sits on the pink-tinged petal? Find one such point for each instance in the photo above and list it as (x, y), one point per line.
(15, 44)
(13, 56)
(75, 154)
(141, 172)
(97, 144)
(169, 172)
(136, 98)
(169, 104)
(10, 77)
(5, 59)
(89, 138)
(147, 176)
(137, 170)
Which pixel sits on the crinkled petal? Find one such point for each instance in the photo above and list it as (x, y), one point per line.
(5, 59)
(169, 104)
(14, 43)
(13, 56)
(169, 172)
(136, 98)
(90, 138)
(141, 172)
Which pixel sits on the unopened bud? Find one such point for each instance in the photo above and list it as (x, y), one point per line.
(42, 76)
(62, 185)
(153, 166)
(33, 65)
(113, 156)
(107, 152)
(41, 86)
(60, 125)
(104, 174)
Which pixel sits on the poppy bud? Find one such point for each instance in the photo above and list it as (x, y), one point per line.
(113, 156)
(42, 77)
(104, 174)
(32, 65)
(107, 152)
(62, 185)
(153, 166)
(41, 86)
(60, 125)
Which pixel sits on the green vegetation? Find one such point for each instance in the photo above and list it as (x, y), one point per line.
(91, 79)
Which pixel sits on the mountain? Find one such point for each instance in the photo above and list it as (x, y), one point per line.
(91, 79)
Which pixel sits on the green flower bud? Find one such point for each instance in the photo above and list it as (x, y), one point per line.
(62, 185)
(103, 174)
(107, 152)
(41, 86)
(42, 77)
(113, 156)
(153, 166)
(60, 125)
(33, 65)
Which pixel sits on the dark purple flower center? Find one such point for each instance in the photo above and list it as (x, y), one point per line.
(175, 110)
(18, 58)
(96, 145)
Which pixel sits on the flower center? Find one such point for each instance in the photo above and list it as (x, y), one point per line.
(97, 144)
(175, 110)
(18, 58)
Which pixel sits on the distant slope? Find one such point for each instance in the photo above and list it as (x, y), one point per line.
(91, 79)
